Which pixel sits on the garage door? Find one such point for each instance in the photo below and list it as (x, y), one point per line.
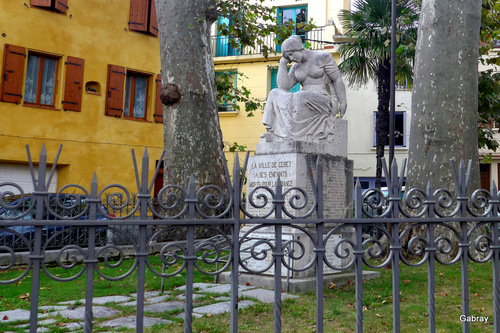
(21, 175)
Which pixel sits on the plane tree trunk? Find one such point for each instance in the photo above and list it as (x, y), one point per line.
(445, 92)
(193, 139)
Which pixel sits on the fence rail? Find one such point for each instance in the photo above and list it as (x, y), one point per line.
(424, 227)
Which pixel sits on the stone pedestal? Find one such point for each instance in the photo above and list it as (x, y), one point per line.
(287, 160)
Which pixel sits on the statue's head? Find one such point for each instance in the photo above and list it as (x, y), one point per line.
(292, 43)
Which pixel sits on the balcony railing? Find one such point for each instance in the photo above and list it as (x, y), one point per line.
(223, 46)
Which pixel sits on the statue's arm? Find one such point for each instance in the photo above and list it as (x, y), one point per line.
(333, 73)
(285, 79)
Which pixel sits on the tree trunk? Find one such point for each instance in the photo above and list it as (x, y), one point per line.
(382, 123)
(193, 139)
(444, 100)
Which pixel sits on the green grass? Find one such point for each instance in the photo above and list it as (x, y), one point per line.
(299, 315)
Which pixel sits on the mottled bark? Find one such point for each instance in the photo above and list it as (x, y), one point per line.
(444, 100)
(193, 139)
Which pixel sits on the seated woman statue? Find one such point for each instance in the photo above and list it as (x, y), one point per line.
(310, 114)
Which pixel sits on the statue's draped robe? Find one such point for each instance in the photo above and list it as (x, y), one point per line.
(307, 115)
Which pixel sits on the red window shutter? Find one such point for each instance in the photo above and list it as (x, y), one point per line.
(153, 21)
(12, 75)
(138, 19)
(114, 91)
(40, 3)
(73, 88)
(61, 5)
(159, 104)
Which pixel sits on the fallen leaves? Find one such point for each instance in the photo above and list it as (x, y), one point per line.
(24, 296)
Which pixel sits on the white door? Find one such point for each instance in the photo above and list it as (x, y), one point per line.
(21, 175)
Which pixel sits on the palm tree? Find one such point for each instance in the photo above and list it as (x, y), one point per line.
(367, 55)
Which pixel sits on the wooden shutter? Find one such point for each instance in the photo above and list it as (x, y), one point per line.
(12, 75)
(153, 21)
(114, 91)
(138, 20)
(61, 5)
(159, 105)
(73, 88)
(41, 3)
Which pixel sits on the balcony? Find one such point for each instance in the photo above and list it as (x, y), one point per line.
(224, 46)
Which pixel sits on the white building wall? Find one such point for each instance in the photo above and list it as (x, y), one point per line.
(362, 102)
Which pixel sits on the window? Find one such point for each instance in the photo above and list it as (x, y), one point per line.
(39, 86)
(226, 82)
(143, 17)
(136, 90)
(127, 95)
(60, 6)
(399, 129)
(41, 79)
(226, 46)
(296, 16)
(274, 83)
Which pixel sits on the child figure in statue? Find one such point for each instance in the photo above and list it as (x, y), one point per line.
(310, 114)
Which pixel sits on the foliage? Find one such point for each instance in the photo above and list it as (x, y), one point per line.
(488, 107)
(369, 28)
(235, 147)
(489, 81)
(251, 20)
(249, 23)
(228, 90)
(367, 55)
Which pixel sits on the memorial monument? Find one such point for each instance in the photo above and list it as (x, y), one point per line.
(300, 125)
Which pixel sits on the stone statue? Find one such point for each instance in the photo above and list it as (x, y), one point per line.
(310, 114)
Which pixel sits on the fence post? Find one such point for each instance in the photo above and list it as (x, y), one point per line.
(235, 251)
(91, 259)
(320, 245)
(190, 256)
(431, 252)
(461, 184)
(358, 253)
(278, 254)
(36, 257)
(143, 198)
(395, 246)
(495, 247)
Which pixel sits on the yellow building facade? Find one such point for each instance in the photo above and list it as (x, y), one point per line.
(45, 101)
(84, 74)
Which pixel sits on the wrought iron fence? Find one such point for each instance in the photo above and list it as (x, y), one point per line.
(424, 228)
